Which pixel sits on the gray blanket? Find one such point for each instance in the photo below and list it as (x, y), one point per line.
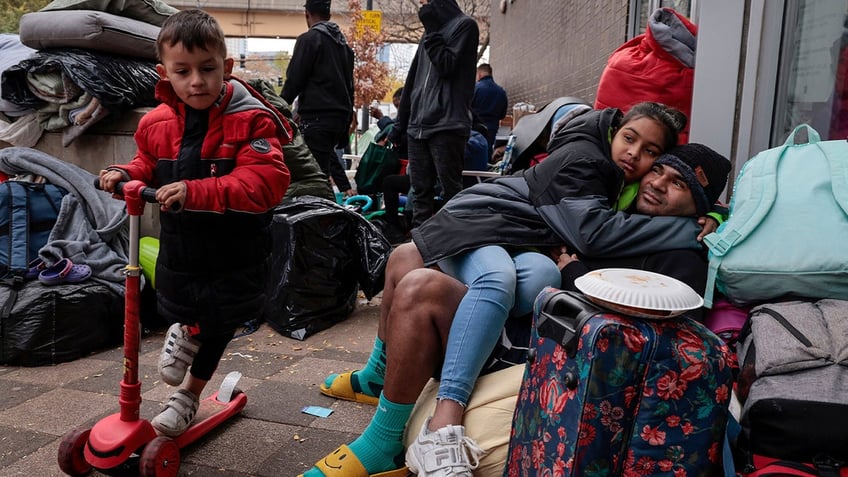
(92, 226)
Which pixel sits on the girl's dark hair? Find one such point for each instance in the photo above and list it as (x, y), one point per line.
(672, 120)
(192, 28)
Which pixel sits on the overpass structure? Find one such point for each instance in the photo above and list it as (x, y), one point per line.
(257, 18)
(267, 18)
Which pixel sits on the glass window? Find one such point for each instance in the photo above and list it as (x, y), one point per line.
(813, 80)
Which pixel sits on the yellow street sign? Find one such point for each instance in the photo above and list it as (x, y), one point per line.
(372, 19)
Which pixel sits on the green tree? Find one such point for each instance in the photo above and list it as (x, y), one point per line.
(263, 66)
(282, 62)
(11, 12)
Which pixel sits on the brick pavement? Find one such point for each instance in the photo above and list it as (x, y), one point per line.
(271, 437)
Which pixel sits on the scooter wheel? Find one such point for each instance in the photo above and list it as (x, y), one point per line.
(71, 458)
(160, 458)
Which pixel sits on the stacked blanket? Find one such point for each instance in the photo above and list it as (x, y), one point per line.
(75, 63)
(91, 226)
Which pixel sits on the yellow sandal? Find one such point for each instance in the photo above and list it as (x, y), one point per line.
(342, 462)
(341, 388)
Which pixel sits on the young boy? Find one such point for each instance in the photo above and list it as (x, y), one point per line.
(213, 150)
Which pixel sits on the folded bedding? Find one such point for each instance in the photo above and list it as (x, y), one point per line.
(89, 29)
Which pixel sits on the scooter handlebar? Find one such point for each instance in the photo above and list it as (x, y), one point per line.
(148, 194)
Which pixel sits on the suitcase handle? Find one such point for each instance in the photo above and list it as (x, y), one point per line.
(562, 317)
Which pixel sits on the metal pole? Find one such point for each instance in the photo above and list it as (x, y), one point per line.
(369, 5)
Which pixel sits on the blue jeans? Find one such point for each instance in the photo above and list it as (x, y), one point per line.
(498, 284)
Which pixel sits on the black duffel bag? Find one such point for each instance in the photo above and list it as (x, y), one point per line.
(323, 254)
(46, 325)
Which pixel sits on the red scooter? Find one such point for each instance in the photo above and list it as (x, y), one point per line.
(116, 440)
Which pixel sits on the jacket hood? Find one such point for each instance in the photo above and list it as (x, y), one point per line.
(589, 126)
(446, 10)
(237, 96)
(331, 30)
(674, 34)
(245, 97)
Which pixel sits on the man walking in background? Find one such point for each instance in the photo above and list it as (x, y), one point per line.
(489, 103)
(320, 75)
(435, 108)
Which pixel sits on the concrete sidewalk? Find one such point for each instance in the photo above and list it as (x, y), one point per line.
(271, 437)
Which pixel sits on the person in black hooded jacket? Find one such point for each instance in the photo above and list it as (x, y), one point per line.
(320, 75)
(435, 109)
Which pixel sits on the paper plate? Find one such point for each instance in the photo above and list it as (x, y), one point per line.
(638, 293)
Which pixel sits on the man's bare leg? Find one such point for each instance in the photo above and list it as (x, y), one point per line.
(365, 384)
(403, 260)
(418, 322)
(418, 326)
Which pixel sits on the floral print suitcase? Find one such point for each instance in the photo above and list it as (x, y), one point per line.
(609, 395)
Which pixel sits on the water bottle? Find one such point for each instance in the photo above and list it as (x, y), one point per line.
(506, 162)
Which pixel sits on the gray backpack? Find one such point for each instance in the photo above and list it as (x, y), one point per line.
(793, 381)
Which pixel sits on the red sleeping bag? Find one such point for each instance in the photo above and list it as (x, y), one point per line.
(658, 65)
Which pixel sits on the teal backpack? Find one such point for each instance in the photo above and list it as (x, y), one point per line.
(787, 234)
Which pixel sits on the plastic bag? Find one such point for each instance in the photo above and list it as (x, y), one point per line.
(323, 254)
(119, 82)
(49, 325)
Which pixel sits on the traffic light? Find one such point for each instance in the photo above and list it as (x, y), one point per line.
(241, 61)
(280, 81)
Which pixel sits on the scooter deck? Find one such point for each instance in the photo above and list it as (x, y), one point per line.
(211, 414)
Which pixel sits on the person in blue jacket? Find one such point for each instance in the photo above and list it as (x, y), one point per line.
(489, 103)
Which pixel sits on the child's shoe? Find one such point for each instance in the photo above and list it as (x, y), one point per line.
(178, 414)
(177, 355)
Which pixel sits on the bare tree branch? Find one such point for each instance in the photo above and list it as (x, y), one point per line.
(401, 24)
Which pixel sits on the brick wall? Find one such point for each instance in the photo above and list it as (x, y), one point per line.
(544, 49)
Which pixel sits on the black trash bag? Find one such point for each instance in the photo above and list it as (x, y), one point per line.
(119, 82)
(323, 254)
(53, 324)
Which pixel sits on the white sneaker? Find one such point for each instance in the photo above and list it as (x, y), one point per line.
(177, 355)
(446, 452)
(178, 414)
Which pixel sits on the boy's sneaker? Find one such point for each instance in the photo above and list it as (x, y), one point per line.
(178, 413)
(446, 452)
(177, 355)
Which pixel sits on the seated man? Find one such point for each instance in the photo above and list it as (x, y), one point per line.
(384, 121)
(415, 320)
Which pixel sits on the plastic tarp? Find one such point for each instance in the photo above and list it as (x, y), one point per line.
(119, 82)
(323, 255)
(53, 324)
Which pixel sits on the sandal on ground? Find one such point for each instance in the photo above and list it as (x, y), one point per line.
(64, 271)
(342, 388)
(342, 462)
(34, 268)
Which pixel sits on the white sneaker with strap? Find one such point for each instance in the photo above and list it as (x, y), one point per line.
(178, 414)
(177, 354)
(445, 452)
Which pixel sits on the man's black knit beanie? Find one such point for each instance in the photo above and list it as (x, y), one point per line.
(704, 170)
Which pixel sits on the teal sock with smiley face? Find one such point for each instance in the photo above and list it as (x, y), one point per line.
(380, 447)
